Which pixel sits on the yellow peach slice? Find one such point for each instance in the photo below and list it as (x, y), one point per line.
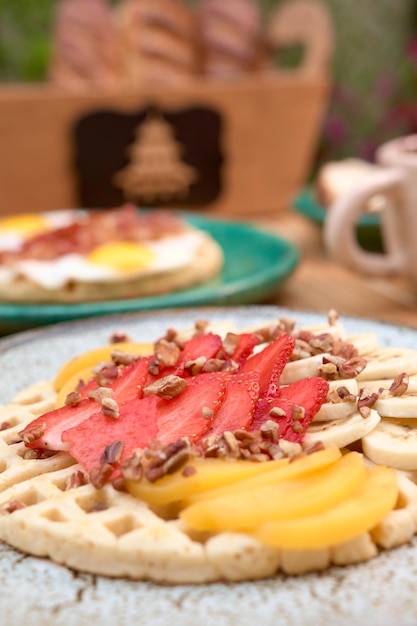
(98, 355)
(71, 385)
(208, 474)
(284, 500)
(297, 468)
(348, 519)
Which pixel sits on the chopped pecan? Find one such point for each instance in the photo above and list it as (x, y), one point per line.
(167, 353)
(110, 408)
(107, 375)
(77, 479)
(399, 385)
(112, 453)
(119, 337)
(167, 387)
(123, 358)
(100, 394)
(33, 432)
(269, 430)
(169, 459)
(366, 402)
(230, 343)
(100, 475)
(341, 394)
(73, 398)
(132, 468)
(195, 366)
(276, 411)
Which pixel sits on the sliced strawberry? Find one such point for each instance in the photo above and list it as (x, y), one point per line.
(309, 393)
(244, 348)
(128, 384)
(236, 410)
(207, 345)
(51, 424)
(135, 426)
(190, 413)
(270, 362)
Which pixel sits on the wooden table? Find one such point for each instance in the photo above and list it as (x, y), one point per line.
(319, 284)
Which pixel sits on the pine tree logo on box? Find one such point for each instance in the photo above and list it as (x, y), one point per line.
(152, 158)
(155, 172)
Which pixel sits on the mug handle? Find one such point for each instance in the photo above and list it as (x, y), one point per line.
(339, 230)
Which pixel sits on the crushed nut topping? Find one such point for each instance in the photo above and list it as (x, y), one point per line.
(123, 358)
(276, 411)
(195, 366)
(132, 468)
(110, 408)
(166, 352)
(399, 385)
(169, 459)
(112, 453)
(73, 398)
(33, 432)
(107, 375)
(100, 394)
(366, 402)
(119, 337)
(167, 387)
(77, 479)
(99, 476)
(341, 394)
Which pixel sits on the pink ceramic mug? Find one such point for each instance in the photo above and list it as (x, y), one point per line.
(397, 183)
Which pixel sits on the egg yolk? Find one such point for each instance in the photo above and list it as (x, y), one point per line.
(123, 256)
(27, 224)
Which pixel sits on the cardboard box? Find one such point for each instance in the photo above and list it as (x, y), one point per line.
(232, 148)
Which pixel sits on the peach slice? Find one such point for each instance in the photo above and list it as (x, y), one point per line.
(348, 519)
(298, 467)
(98, 355)
(208, 474)
(246, 510)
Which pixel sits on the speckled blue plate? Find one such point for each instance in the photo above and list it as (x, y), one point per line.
(256, 265)
(36, 592)
(368, 229)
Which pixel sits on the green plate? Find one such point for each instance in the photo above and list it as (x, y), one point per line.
(368, 229)
(256, 264)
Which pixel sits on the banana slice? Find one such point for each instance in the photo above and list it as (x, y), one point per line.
(303, 368)
(388, 362)
(373, 386)
(365, 343)
(350, 384)
(393, 443)
(398, 406)
(341, 433)
(335, 411)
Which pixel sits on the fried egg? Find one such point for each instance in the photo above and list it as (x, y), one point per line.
(110, 261)
(16, 229)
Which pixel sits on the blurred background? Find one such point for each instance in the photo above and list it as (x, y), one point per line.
(374, 67)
